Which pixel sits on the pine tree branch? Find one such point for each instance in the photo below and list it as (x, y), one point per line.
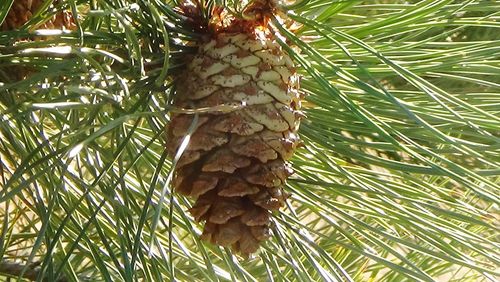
(16, 269)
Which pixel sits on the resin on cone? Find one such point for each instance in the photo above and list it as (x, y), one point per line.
(244, 88)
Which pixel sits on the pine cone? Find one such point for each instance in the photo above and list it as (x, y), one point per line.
(22, 11)
(19, 14)
(234, 165)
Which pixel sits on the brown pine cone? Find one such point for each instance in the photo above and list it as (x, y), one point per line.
(22, 11)
(235, 164)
